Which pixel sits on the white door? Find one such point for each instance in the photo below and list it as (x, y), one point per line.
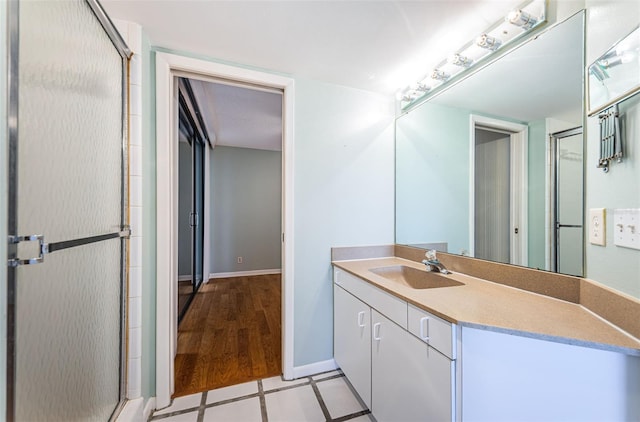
(492, 196)
(352, 341)
(499, 222)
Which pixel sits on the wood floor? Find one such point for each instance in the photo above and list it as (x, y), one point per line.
(230, 334)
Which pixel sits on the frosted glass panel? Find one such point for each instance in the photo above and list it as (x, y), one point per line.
(68, 335)
(70, 122)
(569, 251)
(68, 308)
(570, 193)
(570, 186)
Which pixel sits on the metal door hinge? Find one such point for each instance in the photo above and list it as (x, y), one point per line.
(125, 231)
(42, 247)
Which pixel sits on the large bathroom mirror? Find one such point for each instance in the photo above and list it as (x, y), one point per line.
(492, 167)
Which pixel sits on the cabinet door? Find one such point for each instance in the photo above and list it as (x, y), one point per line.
(352, 341)
(410, 380)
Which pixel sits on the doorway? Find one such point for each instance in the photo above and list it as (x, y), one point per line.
(231, 332)
(568, 204)
(492, 239)
(498, 194)
(168, 66)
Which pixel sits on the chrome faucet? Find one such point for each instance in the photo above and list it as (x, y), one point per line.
(433, 264)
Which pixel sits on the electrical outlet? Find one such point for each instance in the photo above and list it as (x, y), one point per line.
(597, 226)
(239, 260)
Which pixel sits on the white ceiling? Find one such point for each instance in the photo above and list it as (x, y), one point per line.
(376, 45)
(240, 117)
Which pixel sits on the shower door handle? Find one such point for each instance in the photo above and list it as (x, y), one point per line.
(47, 248)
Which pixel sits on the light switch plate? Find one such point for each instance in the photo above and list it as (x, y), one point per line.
(597, 226)
(626, 229)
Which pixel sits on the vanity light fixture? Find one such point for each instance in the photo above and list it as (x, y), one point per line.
(518, 22)
(518, 17)
(460, 60)
(620, 58)
(488, 42)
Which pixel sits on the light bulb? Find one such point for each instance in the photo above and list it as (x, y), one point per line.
(488, 42)
(439, 75)
(521, 18)
(460, 60)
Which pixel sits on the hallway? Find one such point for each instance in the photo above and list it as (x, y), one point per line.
(231, 334)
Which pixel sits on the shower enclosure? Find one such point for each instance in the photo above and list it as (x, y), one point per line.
(67, 212)
(568, 170)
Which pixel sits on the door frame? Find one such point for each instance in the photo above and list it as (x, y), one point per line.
(167, 67)
(519, 141)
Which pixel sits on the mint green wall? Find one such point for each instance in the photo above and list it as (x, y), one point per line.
(419, 136)
(343, 196)
(617, 267)
(246, 203)
(537, 164)
(148, 221)
(432, 177)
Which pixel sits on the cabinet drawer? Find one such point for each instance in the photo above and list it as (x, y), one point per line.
(387, 304)
(438, 333)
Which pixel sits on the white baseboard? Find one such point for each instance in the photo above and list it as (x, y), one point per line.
(184, 278)
(314, 368)
(149, 408)
(245, 273)
(132, 411)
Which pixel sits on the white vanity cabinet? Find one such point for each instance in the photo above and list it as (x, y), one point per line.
(352, 341)
(410, 381)
(398, 376)
(408, 364)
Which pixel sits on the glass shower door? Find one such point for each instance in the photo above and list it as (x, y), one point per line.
(67, 220)
(569, 203)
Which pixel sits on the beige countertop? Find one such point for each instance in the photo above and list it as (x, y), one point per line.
(497, 307)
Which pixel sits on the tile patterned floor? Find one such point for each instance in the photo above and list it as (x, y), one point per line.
(322, 397)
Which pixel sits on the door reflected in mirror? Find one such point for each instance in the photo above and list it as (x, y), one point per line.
(484, 169)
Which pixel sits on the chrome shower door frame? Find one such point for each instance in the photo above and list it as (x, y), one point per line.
(13, 36)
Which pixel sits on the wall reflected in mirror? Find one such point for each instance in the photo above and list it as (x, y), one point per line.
(482, 169)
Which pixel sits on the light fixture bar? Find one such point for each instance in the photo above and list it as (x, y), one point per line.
(515, 25)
